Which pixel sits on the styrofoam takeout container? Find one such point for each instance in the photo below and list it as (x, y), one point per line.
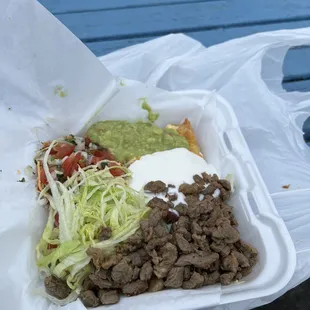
(224, 146)
(33, 111)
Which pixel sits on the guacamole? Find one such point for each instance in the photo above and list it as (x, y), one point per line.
(131, 140)
(151, 115)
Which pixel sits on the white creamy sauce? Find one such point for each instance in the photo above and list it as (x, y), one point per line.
(175, 167)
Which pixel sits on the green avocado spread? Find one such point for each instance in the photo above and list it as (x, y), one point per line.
(131, 140)
(151, 115)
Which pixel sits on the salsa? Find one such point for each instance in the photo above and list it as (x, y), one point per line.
(128, 140)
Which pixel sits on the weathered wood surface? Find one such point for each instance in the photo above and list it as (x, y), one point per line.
(105, 26)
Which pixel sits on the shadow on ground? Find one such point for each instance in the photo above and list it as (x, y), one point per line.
(296, 299)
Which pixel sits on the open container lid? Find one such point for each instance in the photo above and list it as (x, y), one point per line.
(43, 63)
(52, 81)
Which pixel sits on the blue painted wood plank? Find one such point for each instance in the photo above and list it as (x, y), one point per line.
(296, 64)
(70, 6)
(156, 20)
(206, 37)
(301, 86)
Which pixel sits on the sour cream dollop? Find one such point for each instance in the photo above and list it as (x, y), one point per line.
(176, 166)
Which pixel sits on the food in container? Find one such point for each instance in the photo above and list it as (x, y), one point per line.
(134, 208)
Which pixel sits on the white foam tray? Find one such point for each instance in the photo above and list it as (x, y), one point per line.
(224, 146)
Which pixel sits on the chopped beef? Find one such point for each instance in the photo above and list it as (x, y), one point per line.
(215, 214)
(181, 208)
(226, 278)
(225, 184)
(224, 194)
(101, 261)
(201, 247)
(227, 210)
(175, 277)
(208, 231)
(172, 197)
(183, 221)
(136, 273)
(205, 206)
(96, 256)
(210, 189)
(187, 273)
(155, 187)
(183, 244)
(220, 247)
(139, 257)
(248, 251)
(190, 189)
(192, 201)
(222, 221)
(89, 299)
(122, 273)
(56, 287)
(230, 263)
(215, 266)
(135, 288)
(242, 260)
(201, 243)
(101, 279)
(160, 230)
(88, 284)
(196, 280)
(157, 242)
(146, 271)
(168, 256)
(193, 211)
(238, 276)
(108, 297)
(214, 178)
(136, 239)
(147, 230)
(246, 271)
(110, 261)
(233, 220)
(199, 180)
(155, 258)
(227, 233)
(211, 278)
(105, 233)
(156, 285)
(186, 234)
(206, 177)
(157, 203)
(199, 260)
(155, 217)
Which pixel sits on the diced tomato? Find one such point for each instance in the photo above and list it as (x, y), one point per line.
(56, 220)
(43, 178)
(82, 163)
(52, 246)
(72, 163)
(116, 172)
(61, 150)
(99, 155)
(103, 153)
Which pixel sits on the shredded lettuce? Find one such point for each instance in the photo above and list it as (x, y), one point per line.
(85, 203)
